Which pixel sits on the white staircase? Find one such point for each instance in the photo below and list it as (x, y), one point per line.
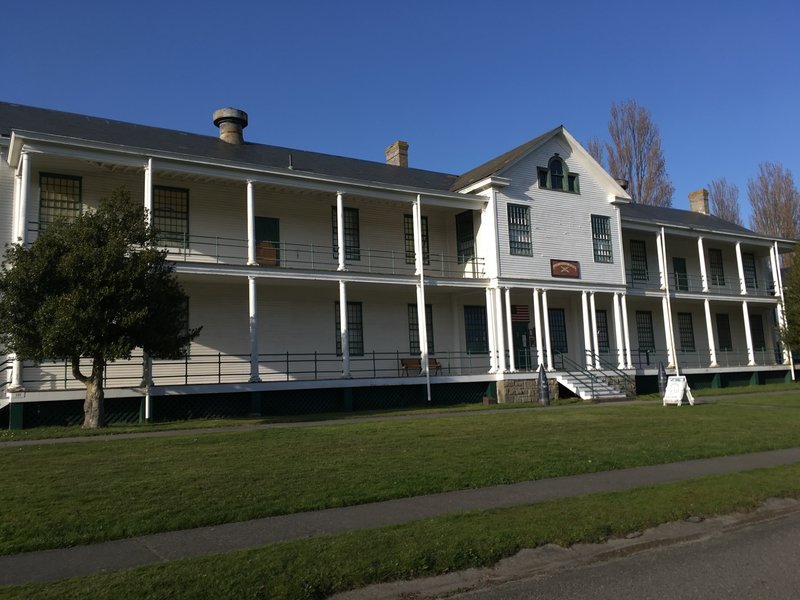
(589, 387)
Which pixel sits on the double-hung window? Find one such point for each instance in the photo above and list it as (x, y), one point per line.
(408, 230)
(413, 328)
(355, 329)
(476, 332)
(638, 257)
(59, 197)
(519, 230)
(171, 215)
(601, 239)
(716, 266)
(352, 241)
(686, 332)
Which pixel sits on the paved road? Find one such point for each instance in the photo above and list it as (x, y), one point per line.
(758, 561)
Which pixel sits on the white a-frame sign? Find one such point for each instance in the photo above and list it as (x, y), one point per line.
(678, 391)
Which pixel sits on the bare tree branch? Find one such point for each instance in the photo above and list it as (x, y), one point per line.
(775, 201)
(724, 198)
(634, 153)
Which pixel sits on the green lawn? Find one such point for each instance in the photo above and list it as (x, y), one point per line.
(318, 567)
(67, 494)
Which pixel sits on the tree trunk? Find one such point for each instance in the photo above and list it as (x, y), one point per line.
(93, 405)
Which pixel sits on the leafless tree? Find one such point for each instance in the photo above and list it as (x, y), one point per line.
(724, 198)
(596, 149)
(634, 153)
(775, 201)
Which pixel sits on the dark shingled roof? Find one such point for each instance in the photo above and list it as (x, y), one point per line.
(95, 129)
(658, 215)
(497, 164)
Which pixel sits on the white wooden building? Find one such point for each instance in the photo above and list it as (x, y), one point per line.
(308, 272)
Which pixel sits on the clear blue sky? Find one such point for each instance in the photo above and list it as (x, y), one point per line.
(461, 81)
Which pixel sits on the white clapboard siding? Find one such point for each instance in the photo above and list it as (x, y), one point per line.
(560, 221)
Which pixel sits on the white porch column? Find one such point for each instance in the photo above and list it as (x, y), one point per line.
(251, 225)
(24, 192)
(512, 366)
(537, 324)
(15, 206)
(626, 331)
(501, 343)
(596, 346)
(422, 324)
(702, 256)
(662, 262)
(16, 376)
(253, 304)
(490, 324)
(419, 261)
(546, 319)
(710, 331)
(340, 229)
(740, 265)
(748, 336)
(618, 333)
(777, 277)
(668, 333)
(587, 339)
(344, 336)
(148, 191)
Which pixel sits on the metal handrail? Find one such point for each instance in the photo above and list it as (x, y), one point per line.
(571, 367)
(605, 365)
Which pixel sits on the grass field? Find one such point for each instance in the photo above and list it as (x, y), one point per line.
(67, 494)
(316, 568)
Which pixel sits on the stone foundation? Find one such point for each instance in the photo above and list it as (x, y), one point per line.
(512, 391)
(626, 386)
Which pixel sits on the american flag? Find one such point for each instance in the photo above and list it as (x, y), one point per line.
(520, 313)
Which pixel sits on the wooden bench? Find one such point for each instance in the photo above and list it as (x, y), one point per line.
(414, 365)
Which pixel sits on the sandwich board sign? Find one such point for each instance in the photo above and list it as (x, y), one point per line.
(678, 391)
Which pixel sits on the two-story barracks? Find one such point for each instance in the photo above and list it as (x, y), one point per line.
(324, 282)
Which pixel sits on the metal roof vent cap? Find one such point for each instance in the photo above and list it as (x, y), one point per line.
(231, 123)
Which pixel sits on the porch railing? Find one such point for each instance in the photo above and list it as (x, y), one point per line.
(693, 283)
(650, 359)
(218, 368)
(289, 255)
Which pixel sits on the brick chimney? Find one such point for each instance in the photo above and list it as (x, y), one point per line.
(231, 123)
(397, 154)
(698, 202)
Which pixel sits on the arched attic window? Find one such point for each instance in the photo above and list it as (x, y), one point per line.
(557, 176)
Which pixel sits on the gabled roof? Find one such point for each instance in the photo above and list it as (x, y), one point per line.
(496, 165)
(658, 215)
(128, 135)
